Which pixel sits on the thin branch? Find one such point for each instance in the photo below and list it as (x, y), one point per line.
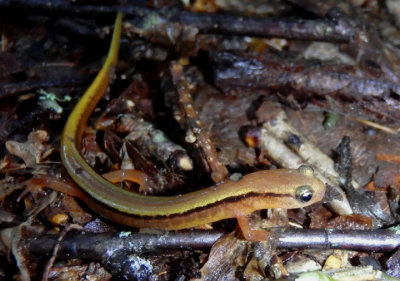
(378, 240)
(283, 141)
(96, 246)
(319, 30)
(7, 90)
(328, 85)
(333, 29)
(125, 115)
(280, 152)
(50, 262)
(152, 141)
(317, 80)
(276, 121)
(196, 132)
(377, 126)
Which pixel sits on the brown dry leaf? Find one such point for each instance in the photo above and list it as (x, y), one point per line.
(39, 204)
(276, 269)
(72, 208)
(204, 6)
(8, 186)
(15, 240)
(387, 175)
(225, 126)
(302, 263)
(338, 260)
(5, 162)
(92, 152)
(264, 257)
(93, 272)
(56, 216)
(320, 217)
(253, 272)
(226, 255)
(34, 150)
(391, 158)
(355, 221)
(393, 264)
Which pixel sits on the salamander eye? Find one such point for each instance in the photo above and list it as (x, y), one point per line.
(304, 193)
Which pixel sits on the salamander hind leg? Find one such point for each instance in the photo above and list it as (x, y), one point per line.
(136, 176)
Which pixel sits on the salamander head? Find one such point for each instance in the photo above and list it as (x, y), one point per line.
(308, 189)
(287, 188)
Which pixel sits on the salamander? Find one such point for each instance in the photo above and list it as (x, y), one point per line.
(279, 188)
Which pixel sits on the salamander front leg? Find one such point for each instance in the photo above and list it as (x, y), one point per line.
(250, 233)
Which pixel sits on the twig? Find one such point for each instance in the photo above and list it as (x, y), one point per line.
(50, 263)
(378, 126)
(124, 115)
(378, 240)
(275, 122)
(284, 156)
(96, 246)
(152, 141)
(196, 131)
(312, 80)
(320, 29)
(7, 90)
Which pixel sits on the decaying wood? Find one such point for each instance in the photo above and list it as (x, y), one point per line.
(196, 133)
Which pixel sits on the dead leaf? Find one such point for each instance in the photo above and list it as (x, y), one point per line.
(34, 150)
